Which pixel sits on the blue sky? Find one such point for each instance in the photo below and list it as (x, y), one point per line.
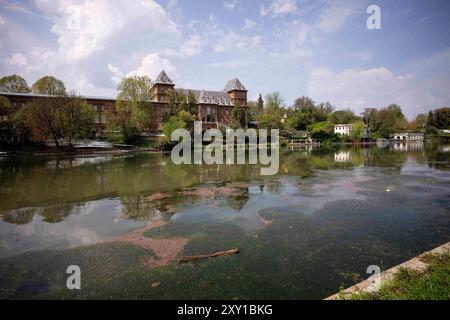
(319, 48)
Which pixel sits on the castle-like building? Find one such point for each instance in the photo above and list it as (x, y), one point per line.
(213, 107)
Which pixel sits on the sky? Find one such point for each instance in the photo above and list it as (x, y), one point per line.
(317, 48)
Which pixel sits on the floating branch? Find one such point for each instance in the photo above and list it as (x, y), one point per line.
(212, 255)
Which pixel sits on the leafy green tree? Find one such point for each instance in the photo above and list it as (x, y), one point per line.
(237, 116)
(306, 113)
(188, 119)
(431, 123)
(69, 117)
(182, 101)
(14, 83)
(253, 110)
(271, 118)
(321, 130)
(192, 104)
(173, 107)
(357, 132)
(134, 112)
(173, 123)
(370, 116)
(343, 116)
(20, 127)
(49, 85)
(442, 118)
(391, 119)
(420, 122)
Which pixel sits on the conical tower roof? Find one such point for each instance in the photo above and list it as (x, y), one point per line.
(163, 78)
(234, 84)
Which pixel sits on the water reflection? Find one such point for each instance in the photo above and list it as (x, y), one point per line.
(60, 203)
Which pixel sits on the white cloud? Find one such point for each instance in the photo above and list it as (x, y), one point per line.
(335, 14)
(279, 8)
(150, 66)
(192, 46)
(117, 75)
(233, 63)
(18, 59)
(249, 24)
(85, 27)
(222, 39)
(95, 40)
(230, 5)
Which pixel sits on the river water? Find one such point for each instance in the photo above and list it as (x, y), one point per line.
(304, 233)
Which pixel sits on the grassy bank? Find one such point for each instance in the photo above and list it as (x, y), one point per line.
(433, 284)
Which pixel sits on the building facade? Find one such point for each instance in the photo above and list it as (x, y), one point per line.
(102, 105)
(212, 107)
(343, 129)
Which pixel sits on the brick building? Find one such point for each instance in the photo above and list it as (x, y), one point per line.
(213, 107)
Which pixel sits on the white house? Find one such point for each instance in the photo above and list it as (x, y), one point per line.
(343, 129)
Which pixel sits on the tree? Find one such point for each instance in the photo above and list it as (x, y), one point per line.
(271, 118)
(304, 104)
(343, 116)
(5, 108)
(182, 101)
(237, 116)
(420, 122)
(370, 117)
(173, 107)
(134, 112)
(431, 123)
(43, 119)
(391, 119)
(76, 117)
(14, 83)
(442, 116)
(192, 104)
(306, 113)
(174, 122)
(274, 101)
(6, 111)
(260, 104)
(49, 85)
(357, 132)
(67, 116)
(321, 130)
(323, 111)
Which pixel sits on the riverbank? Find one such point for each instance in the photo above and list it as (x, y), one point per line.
(76, 152)
(426, 276)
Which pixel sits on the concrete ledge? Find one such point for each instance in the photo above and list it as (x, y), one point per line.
(368, 286)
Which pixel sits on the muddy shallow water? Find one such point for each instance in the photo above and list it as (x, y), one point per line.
(304, 233)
